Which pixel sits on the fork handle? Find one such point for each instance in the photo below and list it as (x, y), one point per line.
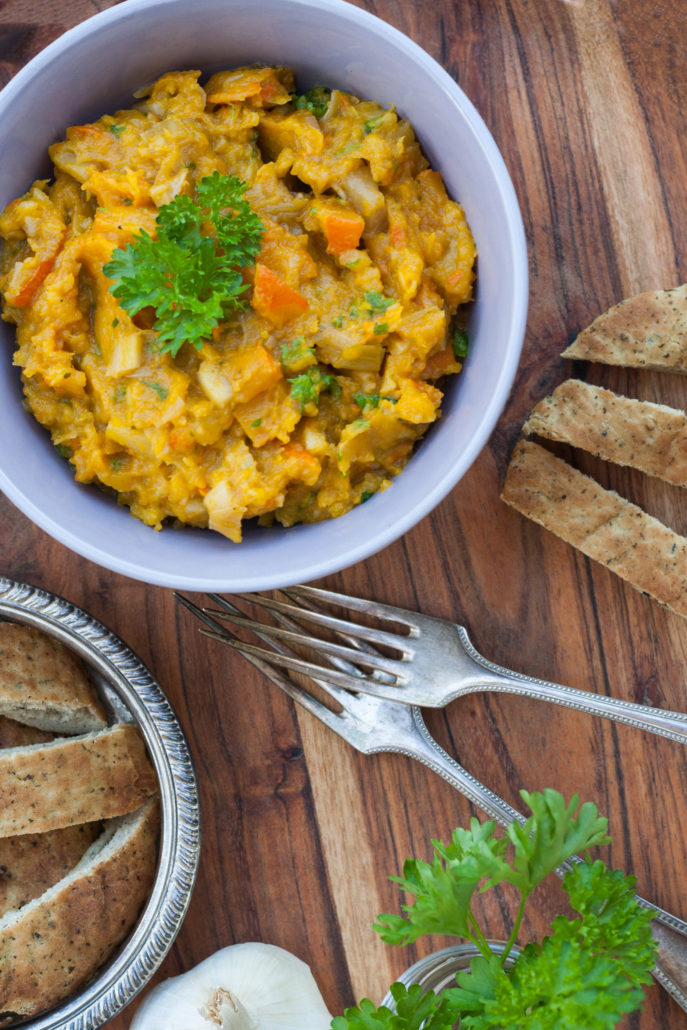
(495, 678)
(669, 931)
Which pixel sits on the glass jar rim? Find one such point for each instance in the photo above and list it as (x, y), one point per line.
(438, 970)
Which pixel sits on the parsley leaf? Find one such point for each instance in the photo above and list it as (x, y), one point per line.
(413, 1011)
(460, 343)
(372, 400)
(190, 273)
(306, 388)
(376, 301)
(316, 100)
(297, 354)
(159, 389)
(588, 972)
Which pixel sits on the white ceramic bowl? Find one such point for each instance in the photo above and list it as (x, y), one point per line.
(93, 69)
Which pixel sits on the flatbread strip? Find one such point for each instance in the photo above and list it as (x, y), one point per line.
(646, 331)
(600, 523)
(32, 862)
(73, 780)
(15, 734)
(53, 945)
(44, 684)
(638, 434)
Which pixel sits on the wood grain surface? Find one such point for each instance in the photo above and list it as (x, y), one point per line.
(586, 100)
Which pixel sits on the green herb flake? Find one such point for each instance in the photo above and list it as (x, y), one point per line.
(366, 495)
(191, 278)
(376, 301)
(373, 123)
(115, 323)
(338, 322)
(372, 400)
(459, 342)
(64, 450)
(119, 393)
(256, 423)
(381, 328)
(297, 352)
(316, 100)
(116, 130)
(307, 387)
(159, 389)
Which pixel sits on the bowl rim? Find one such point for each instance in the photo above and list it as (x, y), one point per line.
(357, 546)
(144, 949)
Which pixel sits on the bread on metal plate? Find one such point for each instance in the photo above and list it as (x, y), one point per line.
(44, 684)
(72, 780)
(55, 943)
(32, 862)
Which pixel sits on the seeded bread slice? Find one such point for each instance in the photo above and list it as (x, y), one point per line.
(600, 523)
(73, 780)
(44, 684)
(32, 862)
(638, 434)
(54, 944)
(16, 734)
(646, 331)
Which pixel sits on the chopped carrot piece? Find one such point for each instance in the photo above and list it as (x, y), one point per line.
(275, 299)
(398, 235)
(343, 230)
(29, 286)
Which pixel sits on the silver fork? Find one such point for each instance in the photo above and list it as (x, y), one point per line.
(373, 724)
(436, 662)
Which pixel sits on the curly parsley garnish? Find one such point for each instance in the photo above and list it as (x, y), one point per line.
(588, 972)
(190, 273)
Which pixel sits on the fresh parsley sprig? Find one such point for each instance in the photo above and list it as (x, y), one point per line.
(588, 972)
(189, 273)
(414, 1010)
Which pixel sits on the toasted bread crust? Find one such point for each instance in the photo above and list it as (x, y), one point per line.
(73, 780)
(638, 434)
(600, 523)
(646, 331)
(52, 946)
(33, 862)
(44, 684)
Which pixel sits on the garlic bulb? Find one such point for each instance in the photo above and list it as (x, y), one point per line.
(243, 987)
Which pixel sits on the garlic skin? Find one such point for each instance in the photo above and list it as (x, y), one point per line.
(249, 986)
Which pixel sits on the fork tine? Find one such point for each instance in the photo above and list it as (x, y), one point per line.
(349, 654)
(293, 690)
(358, 604)
(287, 661)
(369, 634)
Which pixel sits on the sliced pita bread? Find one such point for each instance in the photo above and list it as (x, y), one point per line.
(73, 780)
(16, 734)
(638, 434)
(55, 943)
(646, 331)
(33, 862)
(600, 523)
(44, 684)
